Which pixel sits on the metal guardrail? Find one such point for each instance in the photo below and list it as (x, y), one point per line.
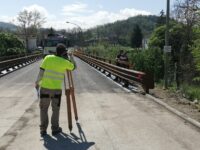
(4, 58)
(114, 62)
(11, 57)
(130, 76)
(14, 64)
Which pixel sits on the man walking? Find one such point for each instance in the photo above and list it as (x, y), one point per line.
(50, 79)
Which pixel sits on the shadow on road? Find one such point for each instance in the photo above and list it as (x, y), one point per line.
(64, 141)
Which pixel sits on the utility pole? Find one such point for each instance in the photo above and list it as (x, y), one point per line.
(167, 48)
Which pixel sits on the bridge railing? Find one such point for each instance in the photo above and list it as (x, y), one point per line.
(13, 64)
(4, 58)
(146, 80)
(113, 61)
(11, 57)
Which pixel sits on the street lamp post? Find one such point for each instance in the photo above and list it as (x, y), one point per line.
(167, 48)
(75, 25)
(80, 29)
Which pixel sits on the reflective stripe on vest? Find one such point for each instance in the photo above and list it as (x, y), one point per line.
(54, 72)
(52, 79)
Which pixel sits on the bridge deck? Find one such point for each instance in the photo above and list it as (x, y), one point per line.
(109, 117)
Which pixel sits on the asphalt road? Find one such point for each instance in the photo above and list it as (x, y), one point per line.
(110, 118)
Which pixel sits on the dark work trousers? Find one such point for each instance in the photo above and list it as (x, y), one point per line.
(46, 97)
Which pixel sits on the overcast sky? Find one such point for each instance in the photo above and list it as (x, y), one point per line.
(85, 13)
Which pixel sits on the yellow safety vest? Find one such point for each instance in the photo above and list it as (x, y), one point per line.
(54, 70)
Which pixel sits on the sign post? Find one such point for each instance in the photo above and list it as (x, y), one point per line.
(167, 49)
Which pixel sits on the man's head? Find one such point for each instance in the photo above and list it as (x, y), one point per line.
(60, 50)
(121, 51)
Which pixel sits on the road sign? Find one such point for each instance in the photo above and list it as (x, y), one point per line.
(167, 49)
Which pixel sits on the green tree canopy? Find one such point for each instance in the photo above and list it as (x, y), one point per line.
(196, 53)
(136, 37)
(176, 36)
(157, 38)
(10, 45)
(161, 19)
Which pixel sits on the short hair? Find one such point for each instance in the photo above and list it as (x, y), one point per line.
(121, 51)
(60, 49)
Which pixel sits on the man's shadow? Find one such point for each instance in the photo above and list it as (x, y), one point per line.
(64, 141)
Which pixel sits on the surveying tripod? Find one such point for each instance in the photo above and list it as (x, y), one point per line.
(70, 97)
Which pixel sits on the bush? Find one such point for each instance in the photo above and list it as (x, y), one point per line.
(106, 50)
(196, 55)
(149, 60)
(10, 45)
(191, 92)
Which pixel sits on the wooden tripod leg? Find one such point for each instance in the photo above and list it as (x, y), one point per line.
(69, 109)
(67, 93)
(73, 96)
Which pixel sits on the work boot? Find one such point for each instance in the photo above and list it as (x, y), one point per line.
(55, 132)
(43, 133)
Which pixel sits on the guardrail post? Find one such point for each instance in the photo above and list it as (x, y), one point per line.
(146, 89)
(148, 81)
(99, 68)
(109, 74)
(104, 71)
(126, 83)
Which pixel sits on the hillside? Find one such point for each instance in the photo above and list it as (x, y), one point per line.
(8, 26)
(120, 31)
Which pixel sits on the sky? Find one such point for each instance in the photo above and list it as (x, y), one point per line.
(85, 13)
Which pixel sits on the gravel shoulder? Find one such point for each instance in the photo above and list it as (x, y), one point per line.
(177, 101)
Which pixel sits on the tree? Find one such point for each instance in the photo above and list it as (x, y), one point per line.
(157, 38)
(176, 41)
(136, 37)
(196, 53)
(29, 23)
(187, 12)
(10, 45)
(162, 19)
(121, 31)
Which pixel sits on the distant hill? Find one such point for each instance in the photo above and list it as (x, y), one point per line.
(8, 26)
(120, 31)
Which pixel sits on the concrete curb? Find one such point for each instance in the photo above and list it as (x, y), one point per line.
(178, 113)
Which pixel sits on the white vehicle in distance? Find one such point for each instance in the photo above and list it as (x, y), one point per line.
(52, 41)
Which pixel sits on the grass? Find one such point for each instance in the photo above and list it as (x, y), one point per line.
(191, 92)
(106, 50)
